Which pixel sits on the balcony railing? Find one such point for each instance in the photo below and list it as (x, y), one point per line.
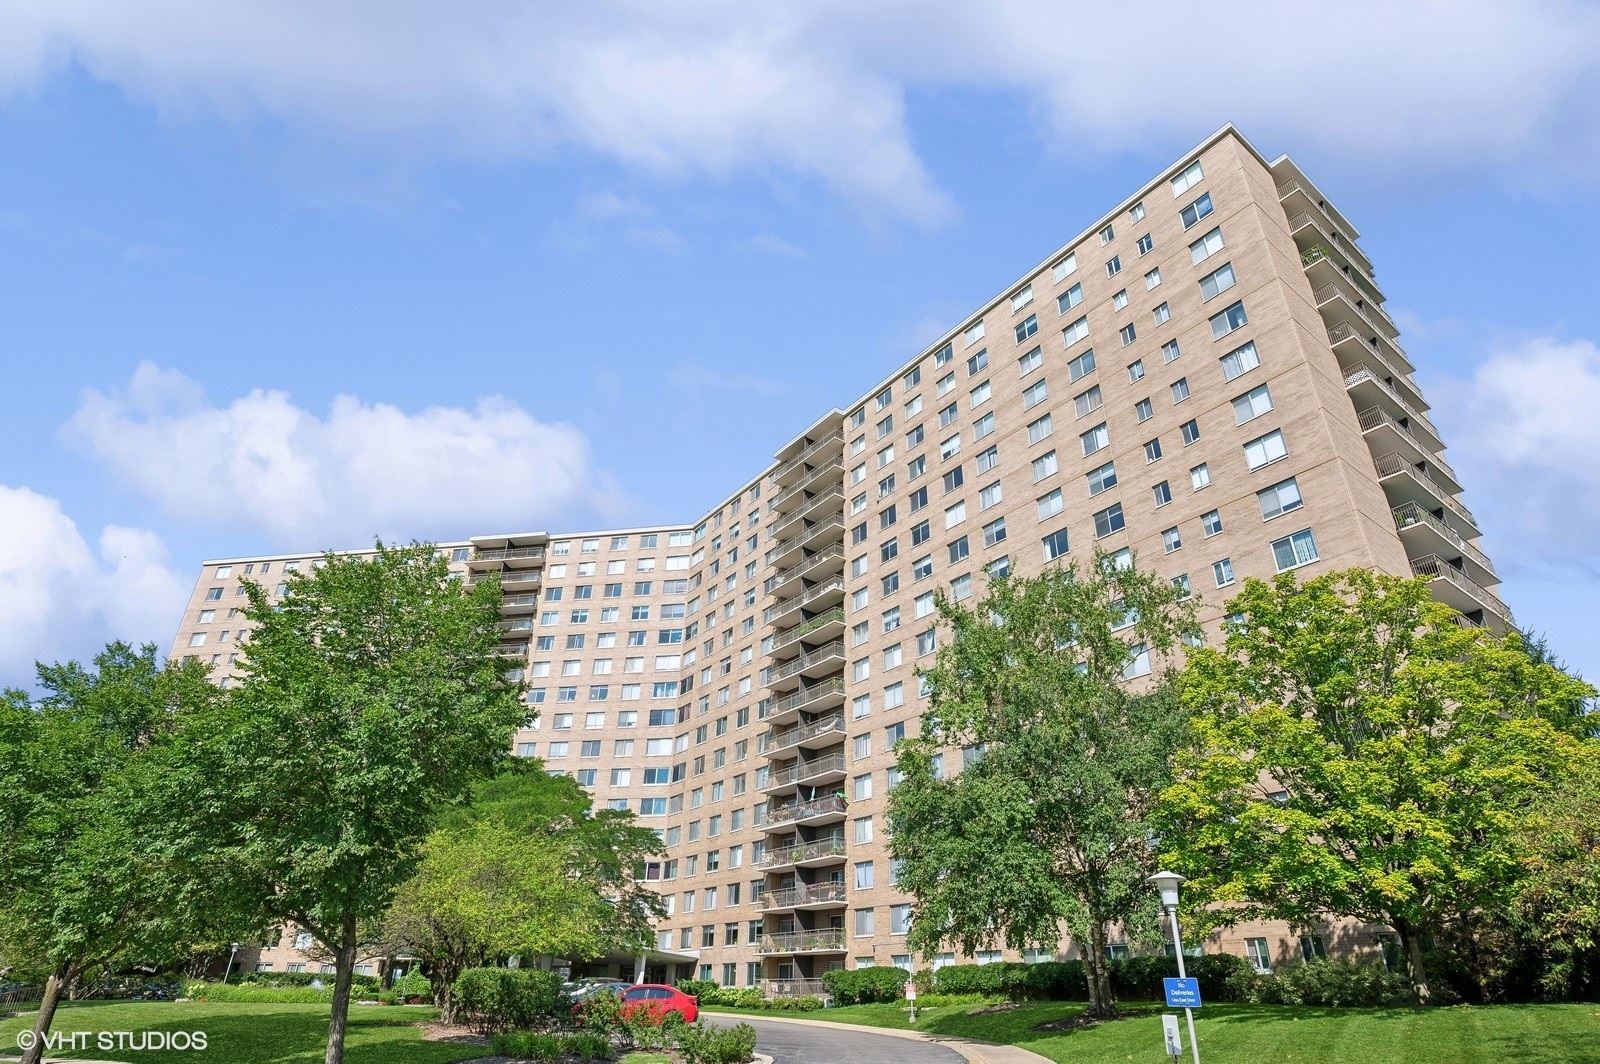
(511, 650)
(1393, 464)
(1343, 245)
(804, 770)
(805, 628)
(1434, 566)
(792, 988)
(1398, 366)
(808, 596)
(787, 494)
(1310, 191)
(804, 894)
(830, 940)
(506, 576)
(834, 649)
(1361, 372)
(833, 553)
(1411, 514)
(1372, 417)
(500, 554)
(787, 737)
(806, 695)
(1360, 304)
(527, 598)
(793, 811)
(790, 852)
(834, 437)
(826, 524)
(830, 497)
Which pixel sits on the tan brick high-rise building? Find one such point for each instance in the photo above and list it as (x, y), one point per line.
(1205, 377)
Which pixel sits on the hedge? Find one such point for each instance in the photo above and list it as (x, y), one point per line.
(862, 986)
(501, 999)
(1134, 978)
(710, 994)
(365, 984)
(236, 993)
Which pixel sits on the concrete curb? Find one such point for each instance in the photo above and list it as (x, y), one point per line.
(975, 1050)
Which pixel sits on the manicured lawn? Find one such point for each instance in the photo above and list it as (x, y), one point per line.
(251, 1033)
(1248, 1034)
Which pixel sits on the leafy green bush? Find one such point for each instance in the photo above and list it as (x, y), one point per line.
(362, 984)
(865, 985)
(501, 999)
(413, 985)
(702, 1044)
(524, 1045)
(1137, 978)
(230, 992)
(1322, 982)
(703, 989)
(808, 1003)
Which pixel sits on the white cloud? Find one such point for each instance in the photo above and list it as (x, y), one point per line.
(724, 89)
(1524, 435)
(363, 470)
(62, 598)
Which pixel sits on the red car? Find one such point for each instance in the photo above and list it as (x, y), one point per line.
(659, 1000)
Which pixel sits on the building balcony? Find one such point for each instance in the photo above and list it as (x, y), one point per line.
(790, 852)
(793, 988)
(1424, 533)
(818, 597)
(1354, 345)
(824, 627)
(1314, 231)
(1403, 482)
(816, 453)
(830, 940)
(829, 499)
(817, 772)
(1385, 433)
(815, 697)
(511, 650)
(814, 735)
(1339, 299)
(803, 896)
(510, 579)
(1461, 593)
(1298, 194)
(786, 499)
(818, 811)
(814, 536)
(824, 563)
(508, 557)
(1368, 388)
(523, 602)
(813, 664)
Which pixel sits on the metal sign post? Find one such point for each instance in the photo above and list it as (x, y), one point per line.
(1177, 942)
(911, 996)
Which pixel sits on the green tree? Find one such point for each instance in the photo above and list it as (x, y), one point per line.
(1358, 752)
(1047, 825)
(83, 882)
(528, 868)
(371, 698)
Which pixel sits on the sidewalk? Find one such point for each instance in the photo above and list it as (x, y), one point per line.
(978, 1052)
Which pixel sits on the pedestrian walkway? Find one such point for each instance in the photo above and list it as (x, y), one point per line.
(861, 1044)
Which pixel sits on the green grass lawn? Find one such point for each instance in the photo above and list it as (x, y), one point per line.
(252, 1033)
(1251, 1034)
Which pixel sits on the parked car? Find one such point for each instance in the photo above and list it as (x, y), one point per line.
(657, 997)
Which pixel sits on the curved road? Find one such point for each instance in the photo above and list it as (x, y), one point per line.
(797, 1043)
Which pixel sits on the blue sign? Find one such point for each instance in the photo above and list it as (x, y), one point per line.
(1182, 993)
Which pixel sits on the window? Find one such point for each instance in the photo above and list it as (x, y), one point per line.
(1070, 298)
(888, 550)
(1162, 493)
(1264, 450)
(1138, 664)
(1217, 282)
(1114, 266)
(1281, 498)
(1206, 246)
(1087, 402)
(1107, 235)
(1136, 371)
(1063, 268)
(943, 385)
(950, 446)
(919, 533)
(1128, 333)
(1251, 404)
(1022, 297)
(1081, 366)
(1078, 330)
(1190, 431)
(988, 459)
(1027, 327)
(1109, 520)
(984, 424)
(992, 494)
(1240, 361)
(916, 467)
(1311, 948)
(1187, 179)
(1228, 320)
(1120, 300)
(1180, 390)
(1195, 211)
(1102, 478)
(1035, 393)
(1170, 351)
(1143, 410)
(1211, 523)
(954, 515)
(1171, 540)
(1043, 466)
(1049, 505)
(1295, 551)
(943, 355)
(1152, 451)
(961, 586)
(863, 831)
(900, 921)
(1095, 439)
(922, 568)
(1055, 545)
(973, 334)
(863, 868)
(1222, 572)
(994, 532)
(1145, 244)
(1162, 314)
(1030, 362)
(1256, 952)
(1152, 279)
(923, 604)
(1200, 477)
(1039, 430)
(952, 479)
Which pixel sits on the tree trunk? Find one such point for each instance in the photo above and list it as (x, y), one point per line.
(47, 1013)
(1101, 1002)
(345, 964)
(444, 976)
(1411, 947)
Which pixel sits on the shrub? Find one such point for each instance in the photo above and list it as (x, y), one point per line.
(1322, 982)
(704, 989)
(359, 984)
(413, 985)
(499, 999)
(230, 992)
(701, 1044)
(865, 985)
(525, 1045)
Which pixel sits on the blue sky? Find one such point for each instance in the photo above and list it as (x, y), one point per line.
(278, 276)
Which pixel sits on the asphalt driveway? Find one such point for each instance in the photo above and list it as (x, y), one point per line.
(797, 1043)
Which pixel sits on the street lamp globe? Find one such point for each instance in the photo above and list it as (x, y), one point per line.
(1167, 884)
